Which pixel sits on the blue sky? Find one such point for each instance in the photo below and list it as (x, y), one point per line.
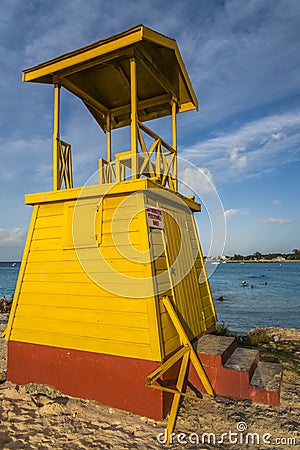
(243, 60)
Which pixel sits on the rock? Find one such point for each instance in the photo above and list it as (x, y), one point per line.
(277, 333)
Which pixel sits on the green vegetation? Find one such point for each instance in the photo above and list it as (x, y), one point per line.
(221, 329)
(257, 256)
(259, 338)
(285, 351)
(282, 350)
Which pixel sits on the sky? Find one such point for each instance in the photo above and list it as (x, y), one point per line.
(243, 60)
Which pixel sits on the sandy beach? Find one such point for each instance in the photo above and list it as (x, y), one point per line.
(39, 417)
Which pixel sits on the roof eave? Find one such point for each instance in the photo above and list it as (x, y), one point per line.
(45, 72)
(93, 51)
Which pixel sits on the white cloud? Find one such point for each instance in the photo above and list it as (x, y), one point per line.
(240, 59)
(12, 237)
(276, 202)
(278, 221)
(242, 62)
(232, 212)
(277, 136)
(11, 243)
(250, 148)
(198, 179)
(240, 160)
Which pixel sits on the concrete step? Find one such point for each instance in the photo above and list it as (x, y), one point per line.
(236, 372)
(223, 346)
(267, 375)
(243, 359)
(266, 382)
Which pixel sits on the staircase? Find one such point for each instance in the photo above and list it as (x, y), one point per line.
(236, 372)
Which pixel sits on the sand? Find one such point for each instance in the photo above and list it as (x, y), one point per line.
(39, 417)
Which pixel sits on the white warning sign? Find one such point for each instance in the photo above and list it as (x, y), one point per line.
(154, 217)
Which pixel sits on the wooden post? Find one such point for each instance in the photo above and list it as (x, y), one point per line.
(133, 89)
(56, 137)
(108, 136)
(174, 142)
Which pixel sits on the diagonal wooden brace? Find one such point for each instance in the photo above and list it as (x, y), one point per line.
(185, 341)
(185, 353)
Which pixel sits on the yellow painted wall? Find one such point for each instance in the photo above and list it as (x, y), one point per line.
(61, 301)
(58, 304)
(192, 299)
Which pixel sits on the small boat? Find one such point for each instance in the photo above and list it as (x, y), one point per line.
(14, 264)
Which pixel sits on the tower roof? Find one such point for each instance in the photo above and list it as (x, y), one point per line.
(99, 74)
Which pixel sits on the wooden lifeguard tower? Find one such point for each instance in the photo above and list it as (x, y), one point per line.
(109, 295)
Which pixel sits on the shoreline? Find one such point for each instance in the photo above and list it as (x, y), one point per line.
(264, 261)
(207, 260)
(244, 261)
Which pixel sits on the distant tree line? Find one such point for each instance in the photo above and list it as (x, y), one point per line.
(268, 256)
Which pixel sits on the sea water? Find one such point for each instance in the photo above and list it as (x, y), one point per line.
(8, 278)
(270, 296)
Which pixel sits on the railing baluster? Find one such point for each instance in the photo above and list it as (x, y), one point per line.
(122, 172)
(64, 165)
(158, 161)
(158, 151)
(118, 171)
(100, 162)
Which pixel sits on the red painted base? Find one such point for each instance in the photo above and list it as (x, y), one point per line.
(230, 383)
(112, 380)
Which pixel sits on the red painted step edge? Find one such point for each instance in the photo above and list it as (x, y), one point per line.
(230, 383)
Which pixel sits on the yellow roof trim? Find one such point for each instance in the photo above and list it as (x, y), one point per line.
(83, 54)
(160, 39)
(50, 71)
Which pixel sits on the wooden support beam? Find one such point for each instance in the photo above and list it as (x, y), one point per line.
(91, 63)
(134, 142)
(117, 66)
(185, 353)
(108, 136)
(185, 341)
(152, 134)
(176, 398)
(154, 376)
(98, 106)
(142, 104)
(56, 136)
(174, 142)
(156, 72)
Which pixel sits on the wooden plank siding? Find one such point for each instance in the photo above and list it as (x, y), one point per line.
(59, 304)
(70, 303)
(192, 299)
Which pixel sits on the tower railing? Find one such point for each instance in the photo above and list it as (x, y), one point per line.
(155, 159)
(65, 172)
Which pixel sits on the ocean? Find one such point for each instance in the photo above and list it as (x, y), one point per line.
(8, 278)
(274, 299)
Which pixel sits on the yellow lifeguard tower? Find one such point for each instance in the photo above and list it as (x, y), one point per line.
(109, 299)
